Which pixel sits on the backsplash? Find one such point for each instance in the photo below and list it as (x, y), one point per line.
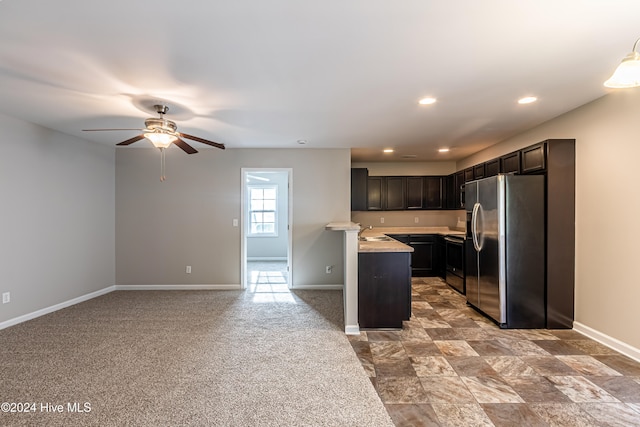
(452, 219)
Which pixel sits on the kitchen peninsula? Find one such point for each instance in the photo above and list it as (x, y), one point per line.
(387, 259)
(377, 292)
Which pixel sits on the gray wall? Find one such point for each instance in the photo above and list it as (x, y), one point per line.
(57, 217)
(607, 205)
(187, 220)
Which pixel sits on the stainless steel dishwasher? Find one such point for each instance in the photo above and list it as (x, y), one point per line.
(454, 274)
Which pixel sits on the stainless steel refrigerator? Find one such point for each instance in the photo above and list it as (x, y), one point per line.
(505, 249)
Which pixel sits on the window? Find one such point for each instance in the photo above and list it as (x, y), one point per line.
(263, 210)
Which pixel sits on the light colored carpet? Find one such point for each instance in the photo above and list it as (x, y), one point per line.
(158, 358)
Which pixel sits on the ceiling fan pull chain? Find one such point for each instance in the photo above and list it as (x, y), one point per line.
(162, 165)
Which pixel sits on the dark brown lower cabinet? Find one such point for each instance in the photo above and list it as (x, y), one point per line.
(384, 289)
(440, 257)
(424, 257)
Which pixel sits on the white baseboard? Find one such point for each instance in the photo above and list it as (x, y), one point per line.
(177, 287)
(56, 307)
(610, 342)
(317, 287)
(352, 329)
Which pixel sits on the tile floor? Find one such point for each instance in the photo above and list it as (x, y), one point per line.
(450, 366)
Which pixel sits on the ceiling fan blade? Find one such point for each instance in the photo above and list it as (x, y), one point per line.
(204, 141)
(131, 140)
(102, 130)
(185, 147)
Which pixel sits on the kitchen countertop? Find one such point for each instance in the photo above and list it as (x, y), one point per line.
(396, 246)
(342, 226)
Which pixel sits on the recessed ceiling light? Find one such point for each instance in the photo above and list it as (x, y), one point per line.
(302, 141)
(443, 150)
(527, 100)
(427, 101)
(388, 150)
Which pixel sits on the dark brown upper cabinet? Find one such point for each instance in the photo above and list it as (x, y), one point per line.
(425, 192)
(534, 158)
(478, 171)
(359, 177)
(415, 192)
(492, 167)
(375, 193)
(434, 192)
(394, 193)
(510, 163)
(468, 174)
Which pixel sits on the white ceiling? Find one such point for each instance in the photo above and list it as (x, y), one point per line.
(337, 73)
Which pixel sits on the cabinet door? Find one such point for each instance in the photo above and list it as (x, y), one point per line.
(384, 289)
(440, 257)
(510, 163)
(433, 192)
(533, 158)
(394, 193)
(450, 201)
(359, 189)
(415, 192)
(468, 174)
(423, 255)
(478, 171)
(492, 167)
(374, 193)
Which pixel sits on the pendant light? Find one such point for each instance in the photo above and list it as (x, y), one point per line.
(628, 72)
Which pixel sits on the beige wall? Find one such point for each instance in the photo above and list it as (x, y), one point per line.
(187, 220)
(407, 168)
(57, 218)
(442, 218)
(607, 204)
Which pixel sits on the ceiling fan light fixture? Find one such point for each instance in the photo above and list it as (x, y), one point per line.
(628, 72)
(159, 139)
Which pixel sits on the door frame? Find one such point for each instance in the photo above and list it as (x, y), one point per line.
(244, 218)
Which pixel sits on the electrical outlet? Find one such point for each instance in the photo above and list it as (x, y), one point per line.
(6, 297)
(415, 220)
(235, 222)
(329, 269)
(381, 220)
(188, 271)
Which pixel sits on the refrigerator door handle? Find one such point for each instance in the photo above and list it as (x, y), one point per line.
(474, 227)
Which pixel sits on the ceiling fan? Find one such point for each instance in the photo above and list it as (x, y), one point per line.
(162, 133)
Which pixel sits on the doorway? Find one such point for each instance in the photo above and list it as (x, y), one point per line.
(266, 231)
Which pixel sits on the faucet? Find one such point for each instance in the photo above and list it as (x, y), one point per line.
(362, 229)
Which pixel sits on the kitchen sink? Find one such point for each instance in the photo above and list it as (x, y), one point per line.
(376, 239)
